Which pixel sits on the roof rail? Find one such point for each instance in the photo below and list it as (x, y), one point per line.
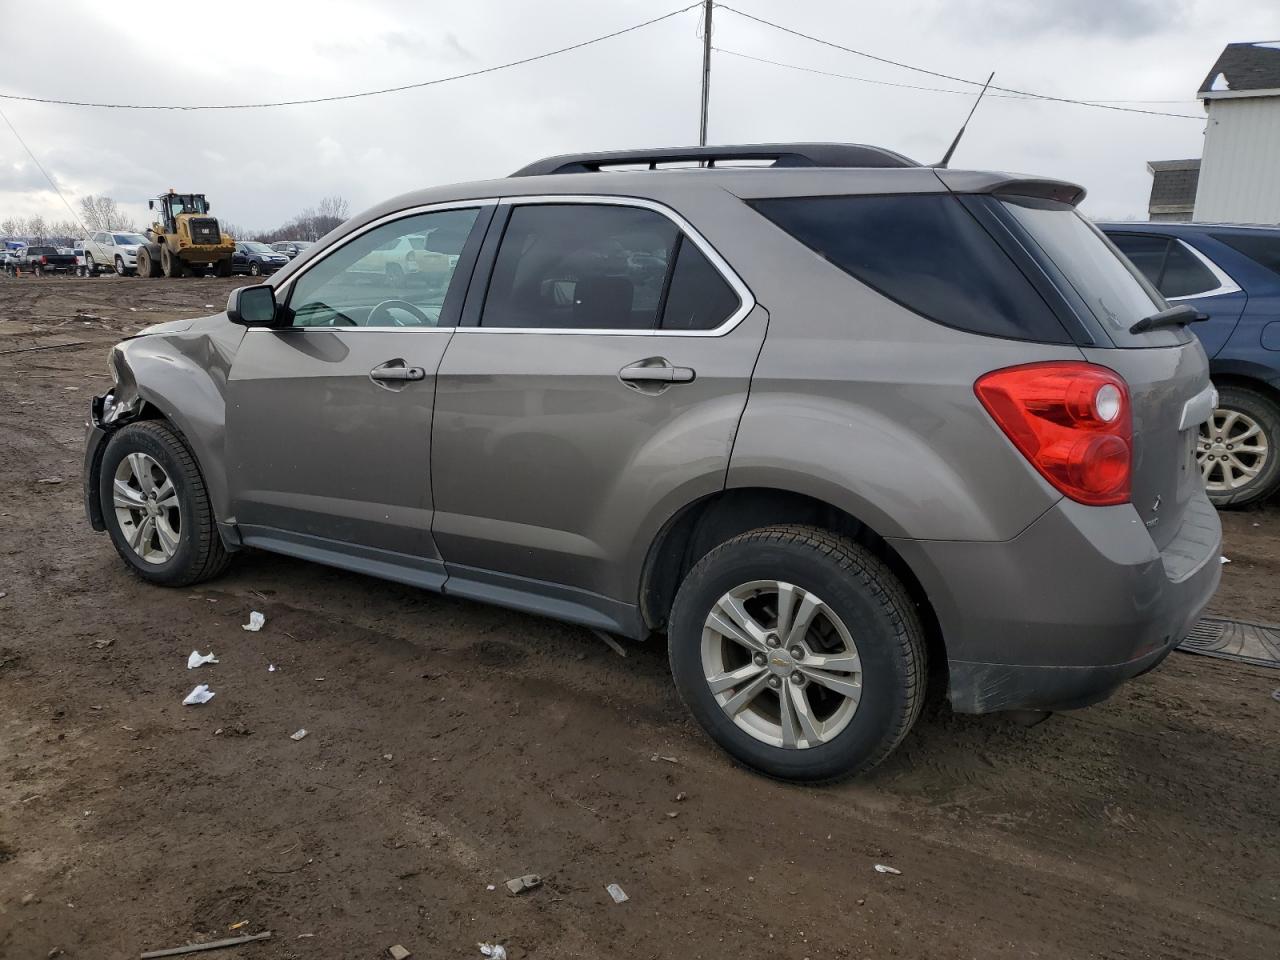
(782, 155)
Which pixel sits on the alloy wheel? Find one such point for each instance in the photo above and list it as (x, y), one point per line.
(781, 664)
(1231, 451)
(147, 508)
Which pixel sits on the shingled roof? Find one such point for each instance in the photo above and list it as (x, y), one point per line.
(1173, 188)
(1242, 67)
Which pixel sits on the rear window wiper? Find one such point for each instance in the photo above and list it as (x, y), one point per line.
(1178, 316)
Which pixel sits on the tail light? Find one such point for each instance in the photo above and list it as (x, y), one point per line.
(1072, 420)
(44, 260)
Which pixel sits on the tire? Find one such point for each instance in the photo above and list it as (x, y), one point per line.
(90, 268)
(255, 268)
(223, 268)
(121, 269)
(147, 265)
(861, 595)
(171, 265)
(1252, 420)
(197, 552)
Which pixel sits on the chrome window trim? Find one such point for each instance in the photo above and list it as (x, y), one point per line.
(746, 300)
(1225, 283)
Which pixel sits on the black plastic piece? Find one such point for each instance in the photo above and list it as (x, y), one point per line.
(1178, 316)
(782, 155)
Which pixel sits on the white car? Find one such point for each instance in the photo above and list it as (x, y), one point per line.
(112, 250)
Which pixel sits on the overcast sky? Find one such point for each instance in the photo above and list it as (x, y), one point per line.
(261, 166)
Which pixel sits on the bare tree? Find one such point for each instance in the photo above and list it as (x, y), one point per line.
(37, 229)
(311, 223)
(103, 213)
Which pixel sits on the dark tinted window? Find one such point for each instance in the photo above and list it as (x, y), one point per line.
(1113, 290)
(699, 297)
(1146, 252)
(927, 253)
(1262, 248)
(1185, 274)
(580, 266)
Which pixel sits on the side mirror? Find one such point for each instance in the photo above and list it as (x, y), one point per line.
(151, 204)
(252, 306)
(208, 207)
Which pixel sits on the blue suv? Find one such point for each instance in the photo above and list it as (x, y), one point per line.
(1231, 273)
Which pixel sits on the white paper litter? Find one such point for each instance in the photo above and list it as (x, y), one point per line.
(299, 735)
(494, 951)
(256, 622)
(1223, 560)
(618, 894)
(198, 659)
(201, 694)
(881, 868)
(271, 668)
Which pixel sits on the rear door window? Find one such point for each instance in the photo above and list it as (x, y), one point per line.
(927, 253)
(1262, 248)
(699, 298)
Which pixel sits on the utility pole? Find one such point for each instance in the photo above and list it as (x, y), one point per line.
(707, 7)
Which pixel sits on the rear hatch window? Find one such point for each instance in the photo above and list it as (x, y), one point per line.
(1089, 266)
(927, 253)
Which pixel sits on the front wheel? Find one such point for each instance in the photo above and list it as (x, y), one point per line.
(1239, 448)
(156, 507)
(121, 269)
(255, 269)
(798, 652)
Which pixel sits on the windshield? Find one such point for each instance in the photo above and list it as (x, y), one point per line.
(187, 203)
(129, 240)
(1112, 288)
(253, 246)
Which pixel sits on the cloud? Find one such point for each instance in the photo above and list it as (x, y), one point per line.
(1117, 19)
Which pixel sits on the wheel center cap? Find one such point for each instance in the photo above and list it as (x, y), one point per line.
(153, 510)
(781, 663)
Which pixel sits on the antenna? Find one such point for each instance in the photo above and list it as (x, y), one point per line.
(946, 158)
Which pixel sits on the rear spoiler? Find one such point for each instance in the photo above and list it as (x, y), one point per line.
(1011, 185)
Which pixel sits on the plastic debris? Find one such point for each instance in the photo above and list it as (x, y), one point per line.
(494, 951)
(529, 881)
(657, 757)
(201, 694)
(882, 868)
(398, 952)
(619, 895)
(50, 480)
(299, 735)
(1223, 560)
(201, 947)
(198, 659)
(103, 643)
(256, 622)
(271, 668)
(1275, 694)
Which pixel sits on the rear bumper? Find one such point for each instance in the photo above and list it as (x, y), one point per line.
(1061, 615)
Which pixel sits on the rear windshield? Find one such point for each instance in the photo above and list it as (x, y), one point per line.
(43, 251)
(1261, 248)
(926, 252)
(1111, 287)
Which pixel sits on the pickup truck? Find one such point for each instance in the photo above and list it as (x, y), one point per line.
(41, 260)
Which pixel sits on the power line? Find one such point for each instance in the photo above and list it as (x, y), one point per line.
(40, 167)
(355, 96)
(947, 76)
(909, 86)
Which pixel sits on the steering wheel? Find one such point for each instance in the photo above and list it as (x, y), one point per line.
(386, 306)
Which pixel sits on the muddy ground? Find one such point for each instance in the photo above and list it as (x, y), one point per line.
(452, 746)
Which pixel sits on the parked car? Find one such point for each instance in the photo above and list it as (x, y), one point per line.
(9, 256)
(256, 259)
(112, 250)
(1231, 274)
(41, 260)
(822, 426)
(291, 248)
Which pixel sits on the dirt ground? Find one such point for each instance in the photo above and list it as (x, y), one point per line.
(452, 746)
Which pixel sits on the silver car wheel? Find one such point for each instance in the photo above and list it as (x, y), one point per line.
(147, 508)
(781, 664)
(1232, 450)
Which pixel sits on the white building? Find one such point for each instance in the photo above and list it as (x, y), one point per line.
(1240, 169)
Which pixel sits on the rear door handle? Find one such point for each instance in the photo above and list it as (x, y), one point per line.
(397, 371)
(655, 370)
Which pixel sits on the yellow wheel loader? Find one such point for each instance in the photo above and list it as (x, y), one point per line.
(184, 239)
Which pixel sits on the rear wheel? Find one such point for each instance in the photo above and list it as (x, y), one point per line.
(121, 269)
(90, 268)
(171, 265)
(798, 652)
(156, 507)
(1239, 448)
(223, 268)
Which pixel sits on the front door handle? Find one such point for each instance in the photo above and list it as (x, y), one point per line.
(396, 370)
(655, 370)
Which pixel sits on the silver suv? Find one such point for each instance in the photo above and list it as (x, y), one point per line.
(830, 425)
